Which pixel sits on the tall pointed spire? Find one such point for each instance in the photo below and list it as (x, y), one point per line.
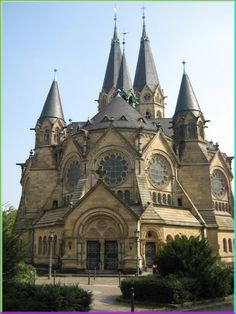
(114, 61)
(52, 108)
(146, 73)
(187, 100)
(124, 81)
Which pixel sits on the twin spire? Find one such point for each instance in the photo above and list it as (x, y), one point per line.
(117, 73)
(117, 77)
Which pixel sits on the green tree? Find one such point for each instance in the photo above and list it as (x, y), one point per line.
(13, 252)
(185, 256)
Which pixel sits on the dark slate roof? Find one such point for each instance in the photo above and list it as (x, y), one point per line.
(52, 108)
(187, 100)
(122, 114)
(146, 73)
(124, 81)
(113, 64)
(165, 124)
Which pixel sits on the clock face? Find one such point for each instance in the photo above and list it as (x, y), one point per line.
(147, 97)
(73, 175)
(159, 171)
(113, 168)
(218, 184)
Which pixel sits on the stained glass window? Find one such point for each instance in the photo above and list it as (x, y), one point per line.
(158, 171)
(73, 174)
(113, 168)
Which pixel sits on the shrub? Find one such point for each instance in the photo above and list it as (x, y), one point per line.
(27, 297)
(156, 289)
(25, 272)
(185, 256)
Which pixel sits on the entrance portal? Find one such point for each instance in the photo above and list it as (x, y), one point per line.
(150, 253)
(111, 255)
(93, 254)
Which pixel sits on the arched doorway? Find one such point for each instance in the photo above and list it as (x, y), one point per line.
(150, 248)
(102, 238)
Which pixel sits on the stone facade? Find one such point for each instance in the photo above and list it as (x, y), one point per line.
(105, 193)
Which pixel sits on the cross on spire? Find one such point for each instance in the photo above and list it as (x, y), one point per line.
(183, 62)
(55, 74)
(123, 42)
(143, 8)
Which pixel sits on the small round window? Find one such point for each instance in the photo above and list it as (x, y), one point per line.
(113, 168)
(159, 171)
(73, 174)
(218, 184)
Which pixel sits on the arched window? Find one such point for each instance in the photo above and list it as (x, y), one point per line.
(147, 115)
(40, 245)
(56, 135)
(44, 245)
(223, 206)
(191, 131)
(225, 245)
(46, 137)
(54, 248)
(159, 198)
(158, 114)
(219, 206)
(164, 198)
(216, 205)
(227, 207)
(127, 196)
(154, 197)
(168, 199)
(230, 245)
(169, 238)
(54, 204)
(201, 130)
(120, 194)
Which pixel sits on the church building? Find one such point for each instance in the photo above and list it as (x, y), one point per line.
(107, 192)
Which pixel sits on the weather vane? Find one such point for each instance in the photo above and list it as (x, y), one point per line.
(183, 62)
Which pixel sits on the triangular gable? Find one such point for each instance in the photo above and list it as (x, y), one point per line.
(161, 136)
(70, 148)
(108, 134)
(101, 187)
(218, 160)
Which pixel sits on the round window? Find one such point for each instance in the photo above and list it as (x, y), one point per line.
(113, 168)
(73, 175)
(218, 184)
(158, 171)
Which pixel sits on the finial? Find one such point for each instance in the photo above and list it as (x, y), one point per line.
(143, 8)
(115, 14)
(55, 74)
(183, 62)
(123, 42)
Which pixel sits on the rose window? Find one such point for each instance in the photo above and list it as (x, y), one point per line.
(113, 168)
(159, 171)
(218, 184)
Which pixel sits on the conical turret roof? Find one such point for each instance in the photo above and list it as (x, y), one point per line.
(113, 64)
(146, 73)
(124, 81)
(52, 108)
(187, 100)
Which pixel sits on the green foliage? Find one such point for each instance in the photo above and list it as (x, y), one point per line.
(153, 288)
(185, 256)
(25, 272)
(13, 252)
(188, 271)
(28, 297)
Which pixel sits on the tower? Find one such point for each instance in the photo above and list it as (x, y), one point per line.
(112, 71)
(146, 82)
(188, 123)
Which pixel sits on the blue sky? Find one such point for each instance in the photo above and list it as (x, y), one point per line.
(75, 37)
